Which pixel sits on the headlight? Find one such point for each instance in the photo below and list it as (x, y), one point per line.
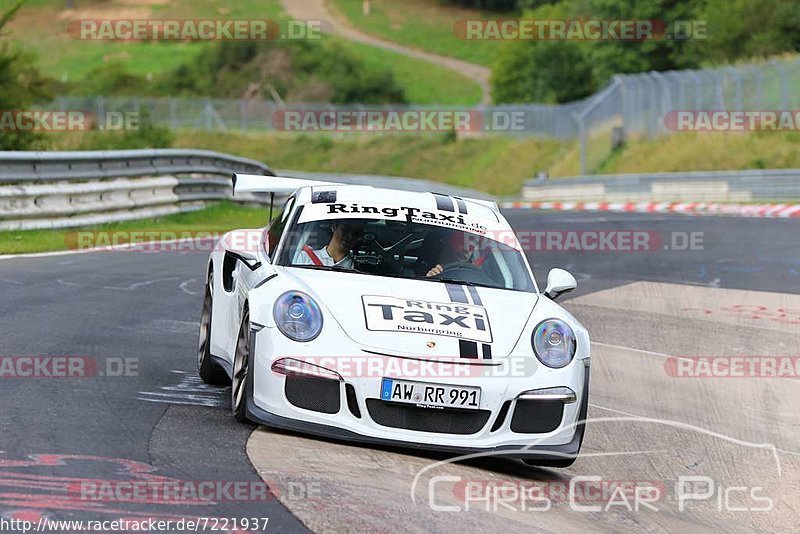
(554, 343)
(297, 316)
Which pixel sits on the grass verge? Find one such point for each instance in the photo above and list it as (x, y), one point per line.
(423, 82)
(41, 27)
(216, 219)
(422, 24)
(497, 165)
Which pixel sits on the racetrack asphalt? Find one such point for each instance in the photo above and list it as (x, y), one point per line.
(157, 419)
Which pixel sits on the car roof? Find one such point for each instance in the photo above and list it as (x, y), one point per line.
(428, 201)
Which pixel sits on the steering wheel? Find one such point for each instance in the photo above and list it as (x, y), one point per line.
(466, 272)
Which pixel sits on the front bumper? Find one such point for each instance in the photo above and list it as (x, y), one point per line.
(496, 435)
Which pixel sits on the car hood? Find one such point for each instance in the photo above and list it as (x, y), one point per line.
(418, 318)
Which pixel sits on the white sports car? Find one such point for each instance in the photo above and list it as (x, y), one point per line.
(398, 318)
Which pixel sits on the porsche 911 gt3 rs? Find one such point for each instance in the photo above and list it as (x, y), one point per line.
(394, 317)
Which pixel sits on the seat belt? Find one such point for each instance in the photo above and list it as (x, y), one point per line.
(311, 254)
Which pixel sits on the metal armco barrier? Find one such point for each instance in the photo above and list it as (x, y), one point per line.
(69, 189)
(711, 186)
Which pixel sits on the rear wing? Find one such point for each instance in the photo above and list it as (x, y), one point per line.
(254, 183)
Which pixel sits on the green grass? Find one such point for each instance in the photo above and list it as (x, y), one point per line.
(694, 151)
(40, 27)
(424, 83)
(497, 165)
(217, 218)
(424, 24)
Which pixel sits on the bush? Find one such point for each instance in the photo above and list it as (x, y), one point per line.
(307, 71)
(20, 85)
(546, 71)
(147, 135)
(110, 79)
(559, 71)
(741, 28)
(491, 5)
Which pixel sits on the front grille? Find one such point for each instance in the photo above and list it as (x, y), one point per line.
(536, 417)
(411, 417)
(311, 393)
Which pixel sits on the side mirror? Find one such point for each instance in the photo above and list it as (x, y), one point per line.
(243, 245)
(559, 282)
(248, 258)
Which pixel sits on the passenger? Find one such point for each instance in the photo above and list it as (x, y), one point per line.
(338, 252)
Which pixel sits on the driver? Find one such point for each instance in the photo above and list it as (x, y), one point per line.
(338, 252)
(448, 255)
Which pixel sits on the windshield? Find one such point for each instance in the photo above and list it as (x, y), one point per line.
(403, 249)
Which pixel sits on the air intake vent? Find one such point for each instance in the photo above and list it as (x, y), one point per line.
(501, 416)
(536, 417)
(411, 417)
(311, 393)
(352, 402)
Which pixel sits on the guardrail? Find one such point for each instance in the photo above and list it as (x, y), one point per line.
(68, 189)
(709, 186)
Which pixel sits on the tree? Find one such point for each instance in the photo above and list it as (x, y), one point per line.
(547, 71)
(20, 83)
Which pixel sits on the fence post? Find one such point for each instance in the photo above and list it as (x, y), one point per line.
(208, 114)
(698, 89)
(101, 110)
(173, 119)
(720, 91)
(759, 90)
(739, 90)
(784, 88)
(664, 103)
(582, 141)
(242, 115)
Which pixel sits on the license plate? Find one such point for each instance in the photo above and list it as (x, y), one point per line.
(431, 395)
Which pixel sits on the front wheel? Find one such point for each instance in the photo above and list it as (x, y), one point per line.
(241, 371)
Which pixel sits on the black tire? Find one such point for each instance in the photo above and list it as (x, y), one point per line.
(210, 372)
(240, 381)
